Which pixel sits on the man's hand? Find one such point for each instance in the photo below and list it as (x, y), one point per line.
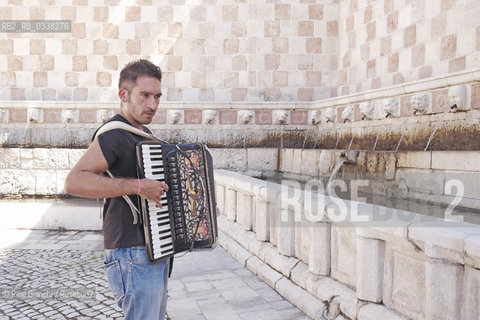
(153, 190)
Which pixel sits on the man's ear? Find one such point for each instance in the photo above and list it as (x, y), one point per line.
(123, 94)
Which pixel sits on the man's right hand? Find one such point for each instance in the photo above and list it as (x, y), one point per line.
(153, 190)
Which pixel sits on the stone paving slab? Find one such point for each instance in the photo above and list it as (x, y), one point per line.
(59, 275)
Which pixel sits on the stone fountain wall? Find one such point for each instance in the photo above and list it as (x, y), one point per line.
(405, 267)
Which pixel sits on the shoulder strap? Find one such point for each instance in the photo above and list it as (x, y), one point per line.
(121, 125)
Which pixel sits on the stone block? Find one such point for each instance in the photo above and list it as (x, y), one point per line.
(262, 159)
(373, 311)
(324, 163)
(472, 251)
(285, 233)
(280, 262)
(422, 181)
(286, 160)
(17, 182)
(319, 254)
(10, 158)
(220, 198)
(448, 160)
(310, 162)
(302, 242)
(60, 177)
(50, 158)
(404, 282)
(462, 185)
(299, 274)
(231, 203)
(326, 289)
(343, 255)
(444, 283)
(370, 266)
(273, 213)
(471, 293)
(262, 223)
(267, 274)
(260, 248)
(306, 302)
(229, 158)
(244, 237)
(245, 210)
(297, 161)
(441, 240)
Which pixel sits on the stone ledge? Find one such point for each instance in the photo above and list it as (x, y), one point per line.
(373, 311)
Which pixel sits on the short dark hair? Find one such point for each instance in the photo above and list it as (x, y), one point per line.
(135, 69)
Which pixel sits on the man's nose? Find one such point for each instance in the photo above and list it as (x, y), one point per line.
(152, 102)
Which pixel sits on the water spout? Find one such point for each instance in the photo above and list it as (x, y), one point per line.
(437, 125)
(349, 156)
(375, 144)
(350, 144)
(304, 140)
(281, 137)
(316, 140)
(335, 170)
(22, 140)
(338, 138)
(244, 136)
(399, 141)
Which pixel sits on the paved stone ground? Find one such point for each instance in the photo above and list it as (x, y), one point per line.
(59, 275)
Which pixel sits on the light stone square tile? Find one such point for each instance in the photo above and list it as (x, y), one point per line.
(198, 286)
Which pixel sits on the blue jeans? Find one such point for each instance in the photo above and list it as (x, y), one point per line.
(138, 285)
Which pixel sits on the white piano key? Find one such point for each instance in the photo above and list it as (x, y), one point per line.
(149, 171)
(161, 252)
(159, 243)
(159, 228)
(157, 177)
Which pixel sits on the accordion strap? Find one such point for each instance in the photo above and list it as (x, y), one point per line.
(121, 125)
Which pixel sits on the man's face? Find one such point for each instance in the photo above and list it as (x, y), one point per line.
(141, 103)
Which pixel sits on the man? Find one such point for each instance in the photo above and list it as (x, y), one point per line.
(138, 285)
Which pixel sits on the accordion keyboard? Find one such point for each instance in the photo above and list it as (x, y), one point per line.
(160, 229)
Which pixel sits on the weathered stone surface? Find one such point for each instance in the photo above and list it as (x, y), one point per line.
(313, 307)
(326, 289)
(262, 223)
(343, 255)
(370, 267)
(231, 203)
(245, 210)
(262, 159)
(229, 158)
(280, 262)
(220, 198)
(471, 293)
(319, 255)
(444, 283)
(418, 160)
(404, 282)
(374, 312)
(267, 274)
(260, 248)
(448, 160)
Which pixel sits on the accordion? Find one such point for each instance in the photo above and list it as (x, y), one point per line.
(188, 218)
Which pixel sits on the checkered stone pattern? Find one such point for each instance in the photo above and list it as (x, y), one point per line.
(233, 51)
(387, 42)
